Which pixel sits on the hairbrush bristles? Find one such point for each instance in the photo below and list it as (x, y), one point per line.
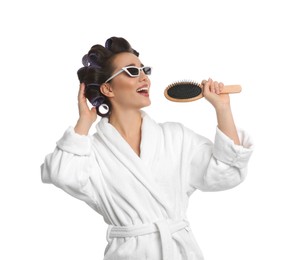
(183, 91)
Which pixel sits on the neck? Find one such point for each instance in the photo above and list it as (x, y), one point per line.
(127, 123)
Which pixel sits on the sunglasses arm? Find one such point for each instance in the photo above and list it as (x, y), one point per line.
(116, 74)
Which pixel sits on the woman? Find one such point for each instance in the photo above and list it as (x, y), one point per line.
(135, 172)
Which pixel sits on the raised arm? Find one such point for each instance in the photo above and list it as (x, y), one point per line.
(87, 116)
(221, 103)
(71, 164)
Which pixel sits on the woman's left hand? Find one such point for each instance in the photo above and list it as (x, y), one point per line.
(212, 92)
(221, 102)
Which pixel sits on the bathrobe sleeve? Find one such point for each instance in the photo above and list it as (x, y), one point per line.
(70, 165)
(215, 166)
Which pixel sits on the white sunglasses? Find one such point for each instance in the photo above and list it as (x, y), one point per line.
(132, 71)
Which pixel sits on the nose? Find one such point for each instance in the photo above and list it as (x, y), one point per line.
(143, 76)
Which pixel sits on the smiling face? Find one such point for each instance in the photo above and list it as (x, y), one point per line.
(123, 91)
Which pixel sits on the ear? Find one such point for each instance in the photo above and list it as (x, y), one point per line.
(106, 89)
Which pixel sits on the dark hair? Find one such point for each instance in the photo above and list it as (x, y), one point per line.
(98, 68)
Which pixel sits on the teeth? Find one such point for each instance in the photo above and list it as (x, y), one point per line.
(142, 89)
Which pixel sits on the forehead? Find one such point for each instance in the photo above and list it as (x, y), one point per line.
(126, 58)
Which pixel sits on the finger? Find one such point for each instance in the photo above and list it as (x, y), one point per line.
(203, 82)
(206, 87)
(221, 86)
(216, 87)
(93, 111)
(81, 95)
(211, 85)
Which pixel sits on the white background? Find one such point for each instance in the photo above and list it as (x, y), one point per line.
(237, 42)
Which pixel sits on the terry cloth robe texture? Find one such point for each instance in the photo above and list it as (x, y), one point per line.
(144, 198)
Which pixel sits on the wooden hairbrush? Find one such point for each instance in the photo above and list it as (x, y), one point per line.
(186, 91)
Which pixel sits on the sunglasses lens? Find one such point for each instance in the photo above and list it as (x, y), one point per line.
(133, 71)
(147, 70)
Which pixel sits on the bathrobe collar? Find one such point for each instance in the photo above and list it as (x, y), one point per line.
(150, 150)
(149, 146)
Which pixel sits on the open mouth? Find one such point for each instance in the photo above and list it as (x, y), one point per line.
(143, 91)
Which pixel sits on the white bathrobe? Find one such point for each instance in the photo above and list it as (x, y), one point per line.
(144, 198)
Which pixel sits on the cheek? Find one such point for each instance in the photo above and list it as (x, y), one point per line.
(125, 92)
(125, 88)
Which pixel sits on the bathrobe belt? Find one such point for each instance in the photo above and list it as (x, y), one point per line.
(164, 227)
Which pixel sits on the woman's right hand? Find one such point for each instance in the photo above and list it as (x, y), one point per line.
(87, 116)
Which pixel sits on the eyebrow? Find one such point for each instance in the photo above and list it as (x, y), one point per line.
(133, 64)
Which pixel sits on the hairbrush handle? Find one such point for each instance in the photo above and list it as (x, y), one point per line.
(230, 89)
(227, 89)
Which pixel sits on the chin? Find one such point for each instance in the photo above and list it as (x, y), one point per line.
(147, 104)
